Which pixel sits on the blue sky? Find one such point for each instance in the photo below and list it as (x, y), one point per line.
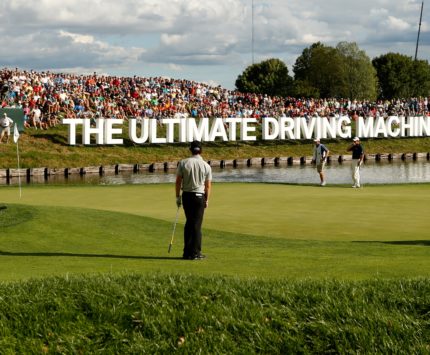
(207, 41)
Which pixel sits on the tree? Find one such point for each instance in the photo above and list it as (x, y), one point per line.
(393, 74)
(303, 63)
(421, 78)
(267, 77)
(400, 76)
(360, 76)
(318, 70)
(344, 71)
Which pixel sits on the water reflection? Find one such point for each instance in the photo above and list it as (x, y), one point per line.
(395, 172)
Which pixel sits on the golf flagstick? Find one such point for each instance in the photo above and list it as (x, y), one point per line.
(15, 139)
(174, 228)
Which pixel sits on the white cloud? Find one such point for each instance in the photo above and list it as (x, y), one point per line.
(77, 38)
(397, 24)
(168, 40)
(175, 67)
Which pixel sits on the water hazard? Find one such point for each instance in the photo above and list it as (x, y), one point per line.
(394, 172)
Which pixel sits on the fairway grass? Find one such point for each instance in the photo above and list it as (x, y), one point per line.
(269, 231)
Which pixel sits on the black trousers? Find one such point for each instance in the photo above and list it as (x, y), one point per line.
(194, 207)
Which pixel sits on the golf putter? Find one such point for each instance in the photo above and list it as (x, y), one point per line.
(174, 228)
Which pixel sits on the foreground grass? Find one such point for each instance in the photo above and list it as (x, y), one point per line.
(187, 314)
(50, 149)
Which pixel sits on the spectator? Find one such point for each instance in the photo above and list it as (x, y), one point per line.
(5, 124)
(89, 96)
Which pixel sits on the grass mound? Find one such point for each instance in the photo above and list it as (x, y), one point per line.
(132, 313)
(11, 215)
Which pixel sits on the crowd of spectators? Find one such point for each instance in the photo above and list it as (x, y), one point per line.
(46, 97)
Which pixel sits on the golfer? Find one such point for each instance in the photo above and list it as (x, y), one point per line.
(357, 159)
(194, 176)
(5, 124)
(319, 158)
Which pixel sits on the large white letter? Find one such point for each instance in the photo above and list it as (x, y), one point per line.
(286, 128)
(232, 124)
(200, 133)
(183, 130)
(307, 126)
(110, 131)
(87, 130)
(218, 130)
(270, 128)
(344, 127)
(244, 129)
(170, 129)
(72, 122)
(364, 127)
(424, 126)
(144, 131)
(407, 124)
(328, 127)
(380, 127)
(393, 126)
(153, 132)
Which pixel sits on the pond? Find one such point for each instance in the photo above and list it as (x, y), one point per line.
(385, 172)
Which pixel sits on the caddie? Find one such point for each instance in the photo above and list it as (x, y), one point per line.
(319, 158)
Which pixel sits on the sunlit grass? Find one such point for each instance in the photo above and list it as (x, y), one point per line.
(131, 313)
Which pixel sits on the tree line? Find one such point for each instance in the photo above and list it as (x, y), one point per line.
(344, 71)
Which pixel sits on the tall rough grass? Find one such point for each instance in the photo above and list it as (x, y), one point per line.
(132, 313)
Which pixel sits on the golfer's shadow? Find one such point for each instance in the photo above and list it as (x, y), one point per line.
(111, 256)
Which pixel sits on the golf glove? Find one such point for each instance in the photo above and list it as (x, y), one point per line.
(178, 201)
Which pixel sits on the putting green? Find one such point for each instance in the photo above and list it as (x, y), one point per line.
(251, 230)
(375, 213)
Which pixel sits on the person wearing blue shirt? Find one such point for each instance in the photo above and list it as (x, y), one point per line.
(319, 158)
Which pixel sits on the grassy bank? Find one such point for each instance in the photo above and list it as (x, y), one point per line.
(50, 149)
(210, 315)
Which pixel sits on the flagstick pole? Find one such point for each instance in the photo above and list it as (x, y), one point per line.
(19, 170)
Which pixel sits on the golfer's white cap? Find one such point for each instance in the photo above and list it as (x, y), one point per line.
(316, 139)
(355, 139)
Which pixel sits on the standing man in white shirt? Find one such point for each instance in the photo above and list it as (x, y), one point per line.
(5, 124)
(357, 159)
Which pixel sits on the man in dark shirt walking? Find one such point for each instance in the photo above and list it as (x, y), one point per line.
(357, 159)
(194, 176)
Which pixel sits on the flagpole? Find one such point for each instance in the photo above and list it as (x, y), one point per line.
(15, 139)
(19, 171)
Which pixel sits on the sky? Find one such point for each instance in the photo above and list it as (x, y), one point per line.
(206, 41)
